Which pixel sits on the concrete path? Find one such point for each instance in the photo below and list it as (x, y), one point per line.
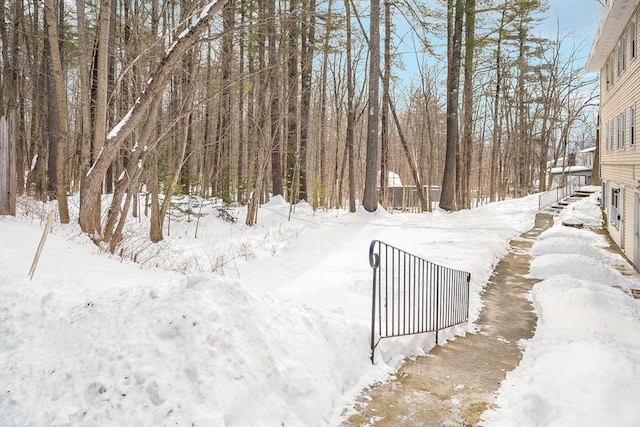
(455, 383)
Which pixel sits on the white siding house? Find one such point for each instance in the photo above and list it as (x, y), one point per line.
(615, 54)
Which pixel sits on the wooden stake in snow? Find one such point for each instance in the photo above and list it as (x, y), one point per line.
(43, 239)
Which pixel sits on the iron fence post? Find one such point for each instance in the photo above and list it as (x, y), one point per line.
(437, 302)
(468, 292)
(374, 260)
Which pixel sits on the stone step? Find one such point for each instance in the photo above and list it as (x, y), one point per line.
(582, 193)
(573, 223)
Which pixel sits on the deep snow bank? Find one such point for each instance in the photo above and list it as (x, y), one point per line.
(92, 341)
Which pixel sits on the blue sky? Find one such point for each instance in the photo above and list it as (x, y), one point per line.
(577, 19)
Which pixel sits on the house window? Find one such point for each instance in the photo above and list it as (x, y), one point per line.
(622, 123)
(632, 126)
(614, 214)
(610, 68)
(622, 55)
(633, 38)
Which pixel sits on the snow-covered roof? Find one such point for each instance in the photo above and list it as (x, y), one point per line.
(571, 170)
(588, 150)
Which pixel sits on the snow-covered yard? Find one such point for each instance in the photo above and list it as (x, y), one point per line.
(225, 325)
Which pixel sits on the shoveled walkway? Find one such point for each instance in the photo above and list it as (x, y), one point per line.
(455, 383)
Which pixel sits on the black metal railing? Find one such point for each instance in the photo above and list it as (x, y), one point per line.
(412, 295)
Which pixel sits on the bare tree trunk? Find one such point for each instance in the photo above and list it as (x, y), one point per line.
(467, 134)
(155, 224)
(384, 114)
(351, 114)
(370, 199)
(61, 101)
(224, 130)
(100, 73)
(495, 146)
(111, 106)
(276, 155)
(85, 91)
(206, 164)
(292, 100)
(51, 129)
(520, 148)
(11, 94)
(8, 166)
(90, 195)
(447, 195)
(6, 76)
(481, 188)
(258, 120)
(37, 151)
(307, 47)
(242, 139)
(324, 185)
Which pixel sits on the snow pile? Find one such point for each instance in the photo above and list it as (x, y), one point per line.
(275, 331)
(582, 365)
(91, 341)
(585, 210)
